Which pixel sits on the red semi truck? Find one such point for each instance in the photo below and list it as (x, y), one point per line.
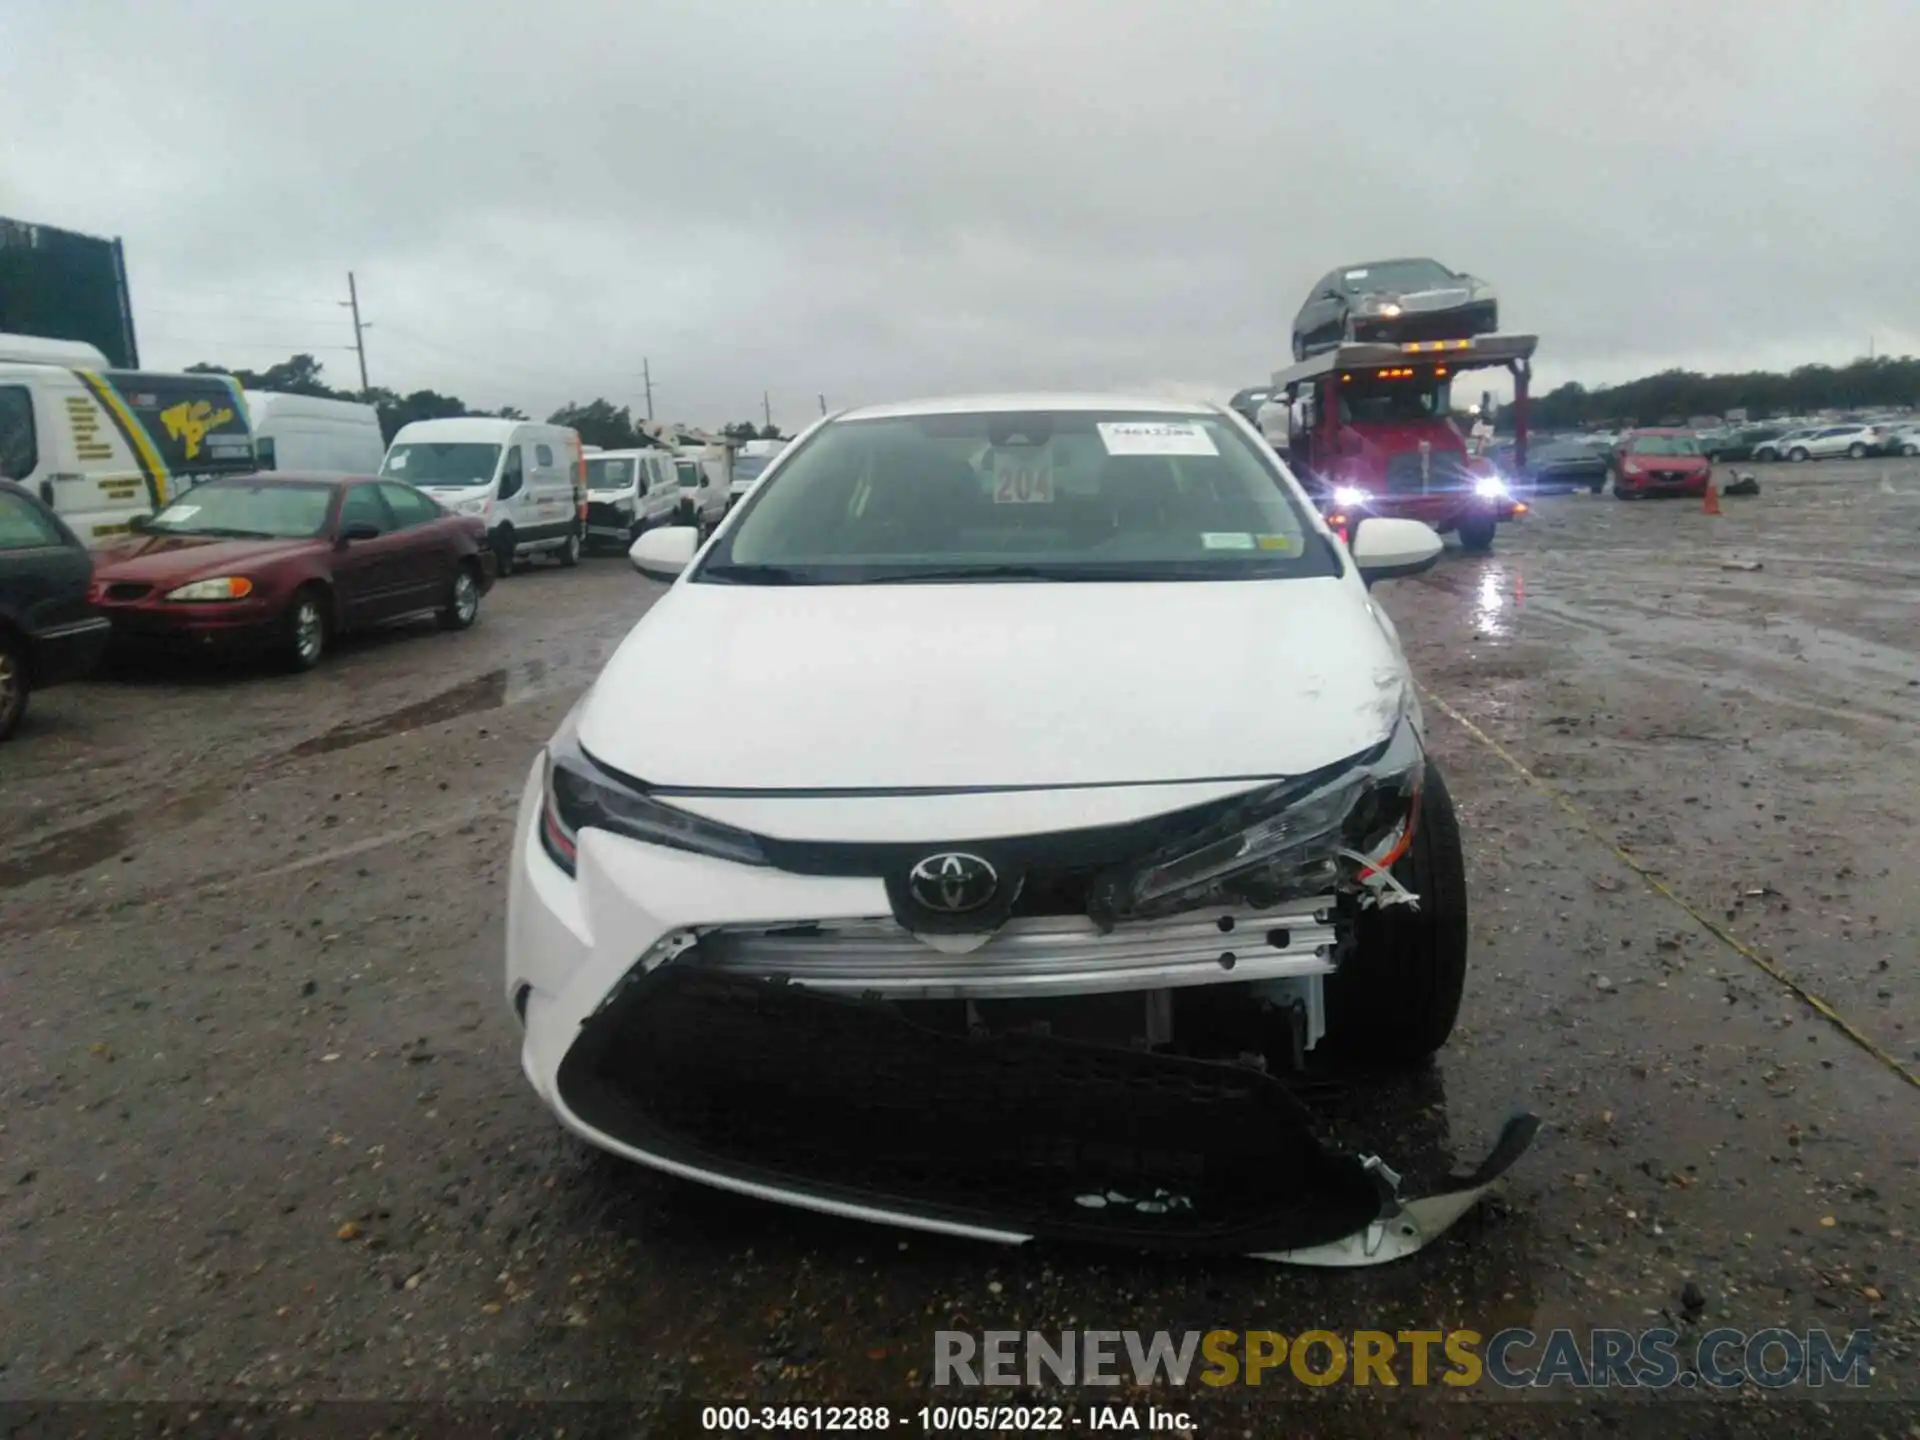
(1370, 432)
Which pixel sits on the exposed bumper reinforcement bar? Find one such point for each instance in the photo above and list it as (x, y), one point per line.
(1052, 955)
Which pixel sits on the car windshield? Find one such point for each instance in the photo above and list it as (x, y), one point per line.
(1027, 495)
(614, 474)
(689, 474)
(442, 462)
(1665, 445)
(264, 510)
(1395, 275)
(748, 467)
(1384, 399)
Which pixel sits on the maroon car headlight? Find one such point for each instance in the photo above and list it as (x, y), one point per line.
(221, 587)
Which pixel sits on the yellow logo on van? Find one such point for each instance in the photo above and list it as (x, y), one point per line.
(190, 421)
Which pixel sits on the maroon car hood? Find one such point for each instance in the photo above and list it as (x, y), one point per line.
(170, 559)
(1669, 462)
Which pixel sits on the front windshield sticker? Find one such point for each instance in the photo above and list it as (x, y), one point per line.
(1229, 540)
(182, 512)
(1155, 437)
(1356, 274)
(1286, 543)
(1022, 479)
(398, 461)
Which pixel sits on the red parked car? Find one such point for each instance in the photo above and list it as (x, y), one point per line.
(1659, 462)
(282, 563)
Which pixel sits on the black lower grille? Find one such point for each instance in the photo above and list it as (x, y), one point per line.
(854, 1100)
(606, 512)
(128, 590)
(1444, 471)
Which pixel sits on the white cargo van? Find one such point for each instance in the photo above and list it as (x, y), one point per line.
(706, 474)
(629, 491)
(753, 458)
(527, 481)
(103, 447)
(302, 432)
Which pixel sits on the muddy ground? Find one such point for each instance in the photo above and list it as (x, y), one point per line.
(264, 1134)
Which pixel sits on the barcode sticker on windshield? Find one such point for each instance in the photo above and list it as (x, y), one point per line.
(1022, 479)
(1227, 540)
(1156, 437)
(183, 512)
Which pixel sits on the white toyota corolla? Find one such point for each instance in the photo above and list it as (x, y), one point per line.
(1079, 792)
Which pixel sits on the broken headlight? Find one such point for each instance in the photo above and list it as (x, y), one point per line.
(579, 795)
(1300, 837)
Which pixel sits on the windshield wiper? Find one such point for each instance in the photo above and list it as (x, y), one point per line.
(219, 532)
(1062, 573)
(755, 575)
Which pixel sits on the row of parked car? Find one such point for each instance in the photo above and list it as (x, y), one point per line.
(1851, 440)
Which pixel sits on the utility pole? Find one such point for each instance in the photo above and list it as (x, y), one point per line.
(823, 404)
(359, 342)
(766, 409)
(646, 374)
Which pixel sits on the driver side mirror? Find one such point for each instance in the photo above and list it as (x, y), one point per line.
(1384, 548)
(359, 530)
(663, 554)
(510, 485)
(140, 524)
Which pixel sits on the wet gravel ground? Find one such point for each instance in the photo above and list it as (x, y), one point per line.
(264, 1136)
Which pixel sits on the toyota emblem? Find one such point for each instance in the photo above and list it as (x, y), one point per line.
(952, 882)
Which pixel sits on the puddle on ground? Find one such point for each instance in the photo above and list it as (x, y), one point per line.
(484, 692)
(85, 846)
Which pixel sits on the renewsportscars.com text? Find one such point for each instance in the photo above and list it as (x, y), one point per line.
(1511, 1359)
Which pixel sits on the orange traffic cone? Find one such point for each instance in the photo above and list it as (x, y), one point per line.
(1710, 502)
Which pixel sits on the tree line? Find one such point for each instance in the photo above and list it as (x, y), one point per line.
(1673, 397)
(599, 422)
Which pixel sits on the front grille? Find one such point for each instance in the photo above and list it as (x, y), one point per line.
(127, 590)
(1447, 471)
(854, 1101)
(606, 512)
(1059, 955)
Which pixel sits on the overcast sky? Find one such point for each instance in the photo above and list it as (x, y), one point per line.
(875, 200)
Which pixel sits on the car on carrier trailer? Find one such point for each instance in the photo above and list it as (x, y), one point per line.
(1032, 891)
(1371, 431)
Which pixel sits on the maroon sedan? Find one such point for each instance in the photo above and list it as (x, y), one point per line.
(1660, 462)
(282, 563)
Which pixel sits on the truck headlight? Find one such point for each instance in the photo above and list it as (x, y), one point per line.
(224, 587)
(1490, 487)
(471, 507)
(1348, 497)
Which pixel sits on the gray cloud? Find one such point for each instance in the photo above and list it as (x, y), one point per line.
(878, 199)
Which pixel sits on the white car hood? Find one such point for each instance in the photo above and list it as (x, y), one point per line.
(993, 685)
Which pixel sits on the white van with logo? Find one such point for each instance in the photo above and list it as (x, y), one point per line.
(526, 480)
(303, 432)
(628, 492)
(104, 447)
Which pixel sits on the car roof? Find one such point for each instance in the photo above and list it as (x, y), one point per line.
(1660, 430)
(285, 477)
(1029, 401)
(468, 427)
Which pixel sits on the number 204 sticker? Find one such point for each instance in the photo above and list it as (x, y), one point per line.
(1019, 480)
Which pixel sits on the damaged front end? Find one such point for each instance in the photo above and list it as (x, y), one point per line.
(1094, 1035)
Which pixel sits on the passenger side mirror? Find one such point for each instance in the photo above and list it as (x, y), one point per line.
(663, 554)
(140, 524)
(1384, 548)
(358, 531)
